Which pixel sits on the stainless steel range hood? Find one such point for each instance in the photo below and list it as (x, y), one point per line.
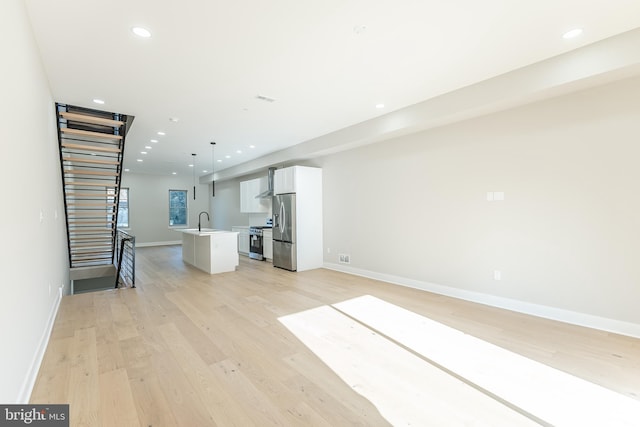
(269, 192)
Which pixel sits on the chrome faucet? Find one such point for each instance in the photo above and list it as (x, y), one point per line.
(199, 216)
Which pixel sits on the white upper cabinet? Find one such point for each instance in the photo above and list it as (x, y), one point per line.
(248, 192)
(284, 180)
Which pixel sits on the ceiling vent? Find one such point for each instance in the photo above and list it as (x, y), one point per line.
(265, 98)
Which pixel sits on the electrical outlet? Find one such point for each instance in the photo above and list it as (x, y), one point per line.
(344, 259)
(497, 275)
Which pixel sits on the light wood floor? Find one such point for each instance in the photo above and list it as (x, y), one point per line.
(186, 348)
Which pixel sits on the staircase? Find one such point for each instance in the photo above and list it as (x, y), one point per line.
(91, 152)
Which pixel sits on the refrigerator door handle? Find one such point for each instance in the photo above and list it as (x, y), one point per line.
(284, 218)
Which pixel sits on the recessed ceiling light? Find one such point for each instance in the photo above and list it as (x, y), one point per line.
(205, 171)
(379, 106)
(155, 141)
(143, 152)
(141, 32)
(139, 160)
(252, 146)
(190, 166)
(126, 170)
(161, 133)
(174, 173)
(148, 147)
(174, 119)
(98, 101)
(219, 161)
(239, 151)
(227, 156)
(572, 33)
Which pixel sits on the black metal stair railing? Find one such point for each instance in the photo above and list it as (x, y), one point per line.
(125, 258)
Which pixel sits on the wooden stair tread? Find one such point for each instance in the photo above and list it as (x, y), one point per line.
(91, 263)
(72, 194)
(91, 184)
(91, 255)
(90, 147)
(76, 221)
(90, 204)
(88, 172)
(91, 119)
(85, 258)
(91, 214)
(96, 161)
(91, 230)
(106, 239)
(90, 133)
(92, 258)
(85, 253)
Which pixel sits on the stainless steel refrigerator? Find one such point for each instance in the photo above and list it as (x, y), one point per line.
(284, 231)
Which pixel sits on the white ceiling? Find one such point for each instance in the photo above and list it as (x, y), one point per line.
(207, 60)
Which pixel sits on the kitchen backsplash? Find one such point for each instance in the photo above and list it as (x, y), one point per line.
(258, 218)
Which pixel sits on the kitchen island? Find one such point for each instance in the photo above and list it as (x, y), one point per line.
(212, 251)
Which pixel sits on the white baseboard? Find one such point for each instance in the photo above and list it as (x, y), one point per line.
(30, 381)
(553, 313)
(147, 244)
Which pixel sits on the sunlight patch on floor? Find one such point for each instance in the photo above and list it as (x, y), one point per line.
(406, 390)
(446, 377)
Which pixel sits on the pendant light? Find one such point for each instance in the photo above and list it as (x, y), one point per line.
(194, 175)
(213, 166)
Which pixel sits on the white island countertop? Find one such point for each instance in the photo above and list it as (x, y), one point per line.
(210, 250)
(203, 231)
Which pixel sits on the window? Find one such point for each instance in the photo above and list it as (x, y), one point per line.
(123, 207)
(178, 207)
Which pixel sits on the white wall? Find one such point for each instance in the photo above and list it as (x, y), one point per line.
(34, 259)
(226, 205)
(413, 209)
(149, 205)
(566, 236)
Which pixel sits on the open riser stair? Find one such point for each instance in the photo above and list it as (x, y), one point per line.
(91, 152)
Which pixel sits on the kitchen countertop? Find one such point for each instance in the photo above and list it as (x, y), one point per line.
(203, 232)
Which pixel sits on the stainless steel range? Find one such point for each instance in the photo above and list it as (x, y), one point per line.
(255, 242)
